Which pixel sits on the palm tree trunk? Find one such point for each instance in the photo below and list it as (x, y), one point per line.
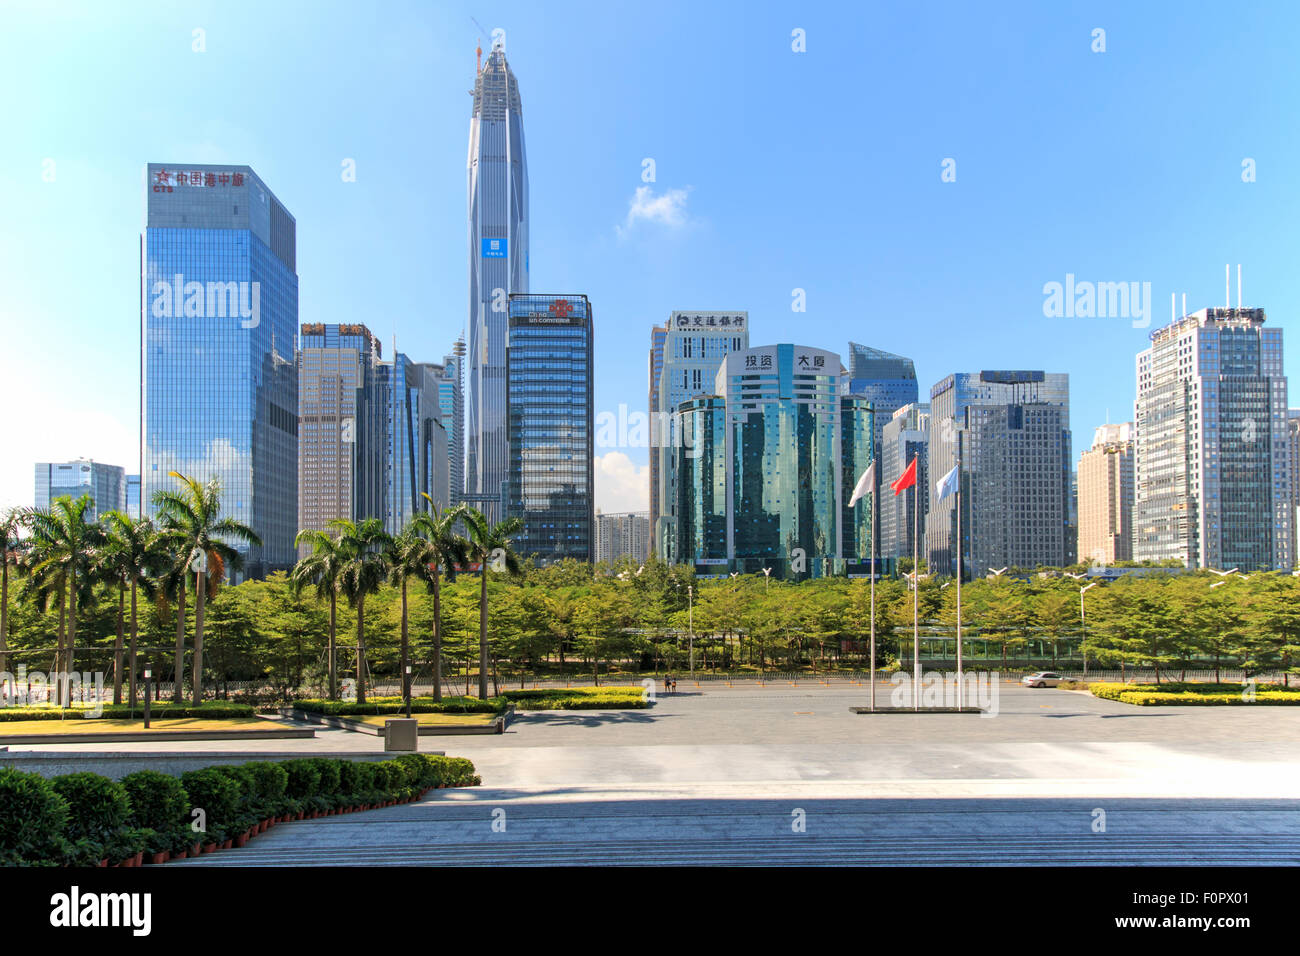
(134, 631)
(361, 649)
(117, 645)
(437, 637)
(70, 660)
(406, 649)
(333, 663)
(482, 633)
(200, 594)
(58, 650)
(4, 611)
(179, 678)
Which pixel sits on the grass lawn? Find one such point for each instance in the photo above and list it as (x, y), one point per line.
(92, 725)
(427, 720)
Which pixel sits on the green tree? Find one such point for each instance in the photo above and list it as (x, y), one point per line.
(12, 548)
(447, 550)
(322, 569)
(193, 527)
(363, 545)
(133, 554)
(64, 547)
(489, 544)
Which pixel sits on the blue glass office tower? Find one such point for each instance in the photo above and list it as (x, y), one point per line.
(218, 319)
(551, 414)
(498, 266)
(699, 461)
(784, 479)
(105, 484)
(857, 428)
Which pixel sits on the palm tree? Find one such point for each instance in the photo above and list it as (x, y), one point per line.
(447, 550)
(365, 567)
(64, 546)
(488, 544)
(12, 547)
(408, 555)
(132, 556)
(193, 525)
(322, 569)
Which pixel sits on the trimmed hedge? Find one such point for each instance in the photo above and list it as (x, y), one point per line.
(577, 698)
(395, 705)
(160, 711)
(83, 818)
(1156, 695)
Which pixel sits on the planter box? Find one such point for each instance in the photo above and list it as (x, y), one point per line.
(162, 857)
(209, 848)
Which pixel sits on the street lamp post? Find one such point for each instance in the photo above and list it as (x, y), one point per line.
(147, 675)
(407, 688)
(1083, 626)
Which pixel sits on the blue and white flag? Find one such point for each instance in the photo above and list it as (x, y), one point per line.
(947, 485)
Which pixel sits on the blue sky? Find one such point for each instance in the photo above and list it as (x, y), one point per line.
(775, 170)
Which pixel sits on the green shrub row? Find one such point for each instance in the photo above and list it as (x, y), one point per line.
(1151, 695)
(395, 705)
(586, 701)
(79, 819)
(161, 711)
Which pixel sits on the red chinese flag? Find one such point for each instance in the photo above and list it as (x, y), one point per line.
(906, 480)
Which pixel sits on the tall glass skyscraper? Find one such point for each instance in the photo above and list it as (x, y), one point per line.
(1212, 467)
(551, 415)
(783, 451)
(658, 435)
(694, 346)
(498, 267)
(699, 462)
(1011, 431)
(341, 425)
(218, 320)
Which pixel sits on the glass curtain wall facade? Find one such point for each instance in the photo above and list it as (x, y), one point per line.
(694, 348)
(414, 455)
(341, 426)
(700, 463)
(1011, 432)
(1211, 460)
(658, 435)
(106, 485)
(783, 454)
(498, 267)
(551, 416)
(219, 316)
(905, 436)
(857, 448)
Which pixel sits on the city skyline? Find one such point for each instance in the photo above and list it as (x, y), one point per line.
(676, 225)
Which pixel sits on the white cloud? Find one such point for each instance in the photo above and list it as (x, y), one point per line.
(621, 485)
(668, 209)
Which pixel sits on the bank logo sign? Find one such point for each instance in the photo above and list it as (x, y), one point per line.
(495, 248)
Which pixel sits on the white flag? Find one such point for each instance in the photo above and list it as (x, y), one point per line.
(866, 484)
(947, 485)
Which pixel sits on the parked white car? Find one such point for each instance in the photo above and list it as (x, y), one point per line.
(1042, 679)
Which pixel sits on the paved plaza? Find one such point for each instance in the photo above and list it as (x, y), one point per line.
(786, 773)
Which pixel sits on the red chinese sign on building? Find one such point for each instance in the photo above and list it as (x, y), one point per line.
(163, 180)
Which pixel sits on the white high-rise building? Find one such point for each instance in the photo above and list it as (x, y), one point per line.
(1211, 454)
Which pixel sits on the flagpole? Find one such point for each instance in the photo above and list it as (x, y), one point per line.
(875, 503)
(961, 689)
(916, 590)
